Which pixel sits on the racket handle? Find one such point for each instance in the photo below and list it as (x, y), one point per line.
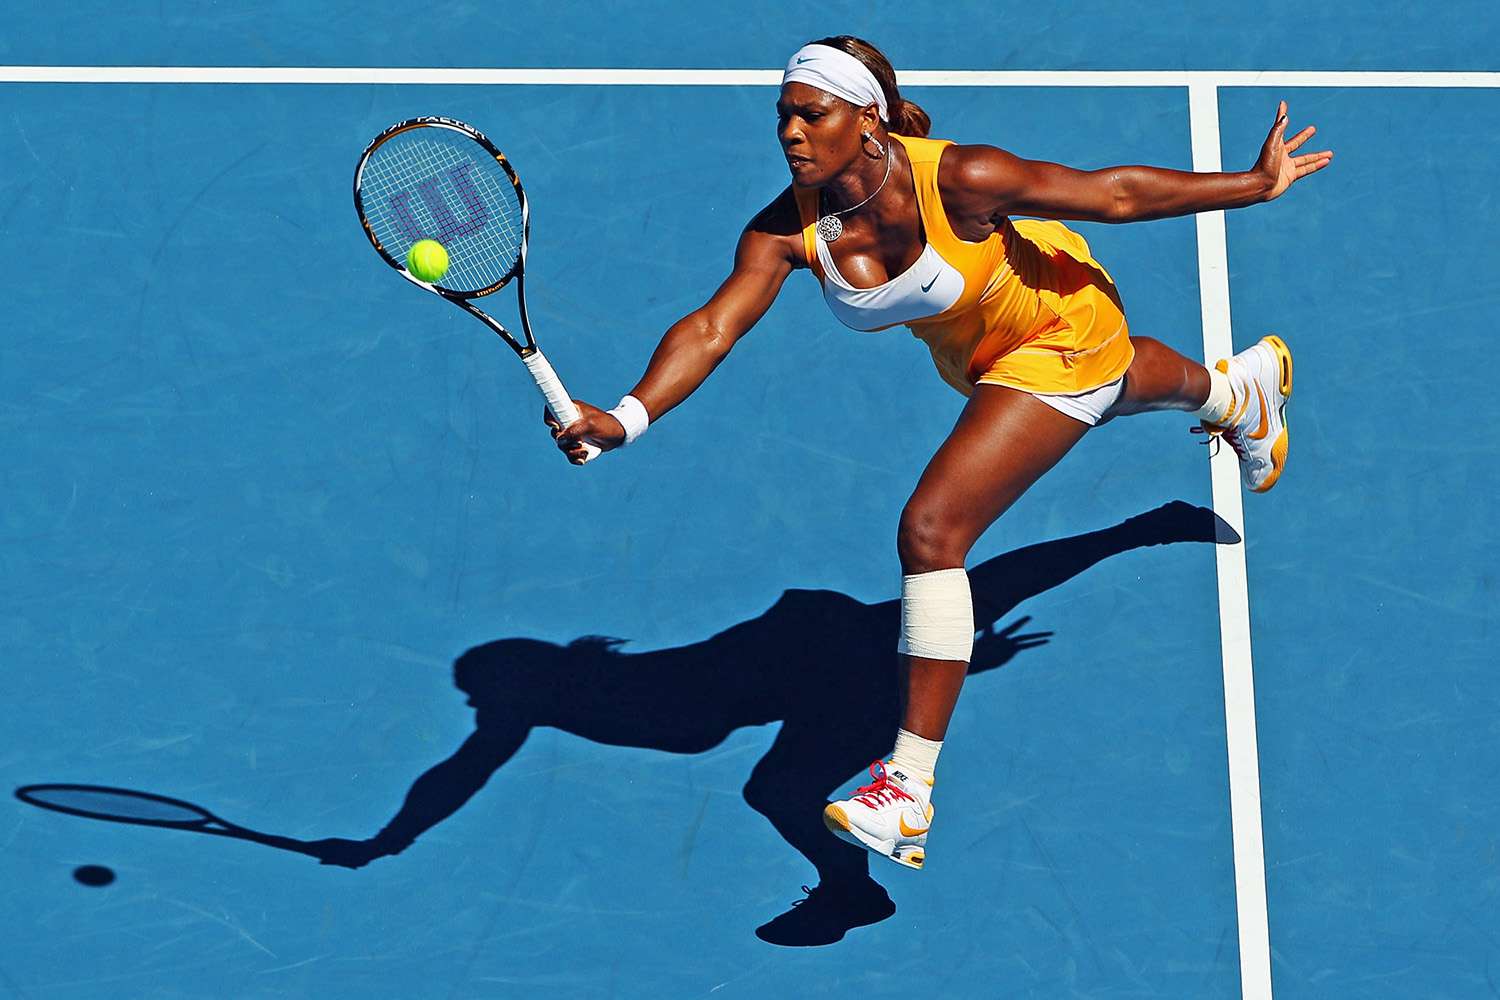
(558, 400)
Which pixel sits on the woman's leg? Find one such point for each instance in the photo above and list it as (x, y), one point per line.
(1160, 379)
(1003, 442)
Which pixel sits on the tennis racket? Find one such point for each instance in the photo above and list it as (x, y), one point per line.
(439, 179)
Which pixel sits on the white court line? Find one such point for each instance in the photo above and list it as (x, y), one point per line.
(734, 77)
(1234, 593)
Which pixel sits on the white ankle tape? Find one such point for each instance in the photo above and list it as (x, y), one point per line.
(937, 615)
(914, 754)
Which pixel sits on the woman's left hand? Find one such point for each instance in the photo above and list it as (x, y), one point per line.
(1278, 165)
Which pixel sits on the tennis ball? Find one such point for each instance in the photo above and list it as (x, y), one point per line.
(427, 260)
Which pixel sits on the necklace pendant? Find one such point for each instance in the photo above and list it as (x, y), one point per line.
(830, 228)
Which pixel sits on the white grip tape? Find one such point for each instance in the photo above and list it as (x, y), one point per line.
(937, 615)
(558, 400)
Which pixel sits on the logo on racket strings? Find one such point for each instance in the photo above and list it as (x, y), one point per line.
(449, 226)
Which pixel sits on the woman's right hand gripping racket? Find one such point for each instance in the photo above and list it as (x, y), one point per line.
(439, 179)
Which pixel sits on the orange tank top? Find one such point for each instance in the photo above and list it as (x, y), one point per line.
(1036, 312)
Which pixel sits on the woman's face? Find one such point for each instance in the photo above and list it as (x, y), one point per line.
(819, 133)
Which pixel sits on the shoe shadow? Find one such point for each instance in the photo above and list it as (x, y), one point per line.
(814, 655)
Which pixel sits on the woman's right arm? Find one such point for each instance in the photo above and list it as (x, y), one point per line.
(768, 250)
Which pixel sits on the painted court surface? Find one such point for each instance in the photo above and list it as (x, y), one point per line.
(284, 538)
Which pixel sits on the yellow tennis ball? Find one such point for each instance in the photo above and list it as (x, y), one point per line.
(427, 260)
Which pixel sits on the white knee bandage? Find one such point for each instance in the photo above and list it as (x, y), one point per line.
(937, 615)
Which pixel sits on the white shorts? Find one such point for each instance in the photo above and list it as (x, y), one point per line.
(1089, 406)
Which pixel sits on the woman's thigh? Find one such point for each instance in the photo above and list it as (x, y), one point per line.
(1003, 442)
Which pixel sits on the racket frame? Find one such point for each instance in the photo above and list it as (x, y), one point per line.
(33, 795)
(551, 387)
(459, 297)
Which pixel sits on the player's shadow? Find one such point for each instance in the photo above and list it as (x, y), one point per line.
(819, 662)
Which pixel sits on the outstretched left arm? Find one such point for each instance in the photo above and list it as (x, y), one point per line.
(1002, 184)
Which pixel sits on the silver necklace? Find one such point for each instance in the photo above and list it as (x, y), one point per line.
(830, 226)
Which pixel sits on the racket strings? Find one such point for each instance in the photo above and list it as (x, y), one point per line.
(431, 183)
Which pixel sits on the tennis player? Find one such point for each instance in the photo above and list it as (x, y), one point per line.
(900, 229)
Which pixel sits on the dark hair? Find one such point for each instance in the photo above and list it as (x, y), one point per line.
(906, 118)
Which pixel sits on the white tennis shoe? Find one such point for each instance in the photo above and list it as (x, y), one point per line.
(1261, 378)
(889, 817)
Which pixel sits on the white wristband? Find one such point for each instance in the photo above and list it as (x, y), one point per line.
(632, 415)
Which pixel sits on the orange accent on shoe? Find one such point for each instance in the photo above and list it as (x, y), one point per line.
(835, 818)
(1284, 356)
(1237, 406)
(1283, 440)
(1265, 425)
(1278, 461)
(907, 831)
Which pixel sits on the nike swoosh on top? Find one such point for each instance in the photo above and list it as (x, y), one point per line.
(1265, 425)
(928, 287)
(804, 59)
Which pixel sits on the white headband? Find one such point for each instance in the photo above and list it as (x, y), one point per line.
(837, 72)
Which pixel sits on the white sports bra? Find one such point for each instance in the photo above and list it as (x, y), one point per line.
(922, 291)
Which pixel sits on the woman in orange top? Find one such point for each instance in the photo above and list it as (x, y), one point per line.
(901, 229)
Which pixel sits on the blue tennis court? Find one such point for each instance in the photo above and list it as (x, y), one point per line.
(285, 539)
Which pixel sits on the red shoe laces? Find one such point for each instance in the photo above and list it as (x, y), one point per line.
(882, 792)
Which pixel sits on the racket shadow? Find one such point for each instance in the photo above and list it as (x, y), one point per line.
(837, 710)
(138, 808)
